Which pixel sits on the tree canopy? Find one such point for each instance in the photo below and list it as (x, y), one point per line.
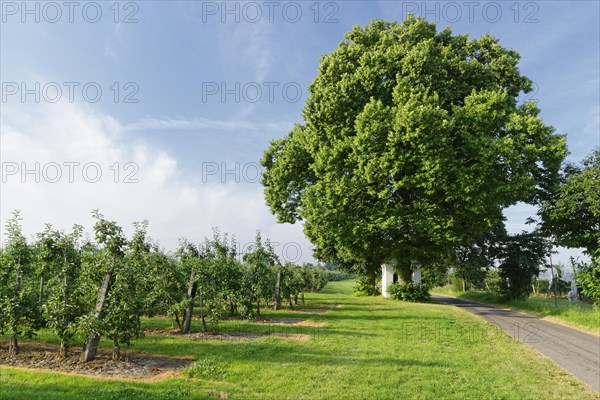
(412, 139)
(573, 215)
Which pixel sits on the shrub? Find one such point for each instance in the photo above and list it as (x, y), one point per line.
(364, 287)
(409, 292)
(589, 277)
(493, 282)
(541, 285)
(457, 283)
(205, 368)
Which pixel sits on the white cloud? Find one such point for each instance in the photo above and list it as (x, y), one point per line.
(55, 135)
(177, 123)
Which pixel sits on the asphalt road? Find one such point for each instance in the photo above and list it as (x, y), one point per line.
(573, 350)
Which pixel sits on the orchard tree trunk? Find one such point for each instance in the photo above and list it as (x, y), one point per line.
(204, 329)
(249, 308)
(296, 298)
(191, 295)
(302, 297)
(258, 308)
(116, 348)
(91, 343)
(277, 291)
(64, 349)
(13, 345)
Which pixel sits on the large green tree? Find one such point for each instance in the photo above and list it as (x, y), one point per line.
(572, 216)
(412, 139)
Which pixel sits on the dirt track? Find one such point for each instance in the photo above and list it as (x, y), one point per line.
(573, 350)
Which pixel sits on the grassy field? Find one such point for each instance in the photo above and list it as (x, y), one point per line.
(371, 348)
(576, 314)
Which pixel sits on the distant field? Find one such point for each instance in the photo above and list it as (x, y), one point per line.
(360, 348)
(576, 314)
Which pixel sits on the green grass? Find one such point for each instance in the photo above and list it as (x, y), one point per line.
(372, 348)
(576, 314)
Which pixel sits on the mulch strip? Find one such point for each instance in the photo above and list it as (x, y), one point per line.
(133, 365)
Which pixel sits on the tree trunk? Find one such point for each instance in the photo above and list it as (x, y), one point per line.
(302, 297)
(405, 271)
(249, 308)
(191, 295)
(116, 348)
(202, 313)
(13, 345)
(231, 308)
(91, 344)
(177, 320)
(296, 298)
(64, 349)
(464, 285)
(277, 291)
(372, 277)
(258, 308)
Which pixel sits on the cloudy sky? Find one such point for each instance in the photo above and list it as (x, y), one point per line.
(160, 110)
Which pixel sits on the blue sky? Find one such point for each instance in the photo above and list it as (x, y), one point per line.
(193, 152)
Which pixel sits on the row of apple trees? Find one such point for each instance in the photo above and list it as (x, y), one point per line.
(72, 284)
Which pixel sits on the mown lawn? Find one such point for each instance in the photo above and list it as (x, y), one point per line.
(371, 348)
(576, 314)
